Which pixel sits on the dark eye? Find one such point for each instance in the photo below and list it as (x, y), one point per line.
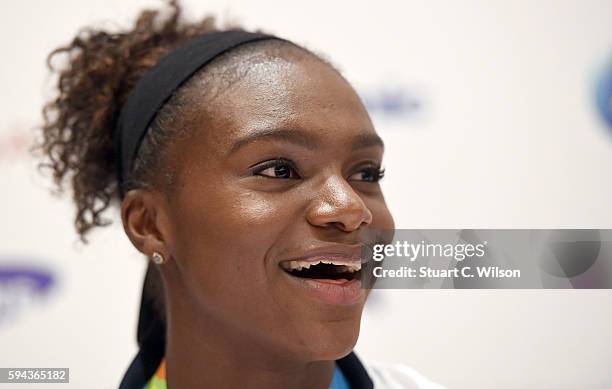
(279, 168)
(369, 174)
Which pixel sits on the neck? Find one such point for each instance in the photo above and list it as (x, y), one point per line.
(204, 353)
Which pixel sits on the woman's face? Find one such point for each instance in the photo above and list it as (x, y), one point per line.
(280, 166)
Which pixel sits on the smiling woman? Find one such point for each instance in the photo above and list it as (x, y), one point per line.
(246, 168)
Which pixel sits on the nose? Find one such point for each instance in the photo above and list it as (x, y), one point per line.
(338, 205)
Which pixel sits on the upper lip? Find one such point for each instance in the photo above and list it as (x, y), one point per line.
(343, 252)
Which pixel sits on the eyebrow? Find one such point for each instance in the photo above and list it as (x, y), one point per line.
(302, 138)
(367, 140)
(291, 135)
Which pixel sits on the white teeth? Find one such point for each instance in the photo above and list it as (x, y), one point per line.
(298, 265)
(347, 266)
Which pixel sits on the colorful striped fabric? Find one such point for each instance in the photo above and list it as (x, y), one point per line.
(158, 381)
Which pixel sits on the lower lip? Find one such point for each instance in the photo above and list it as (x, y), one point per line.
(335, 292)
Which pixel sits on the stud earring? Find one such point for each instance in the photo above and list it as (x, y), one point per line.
(157, 258)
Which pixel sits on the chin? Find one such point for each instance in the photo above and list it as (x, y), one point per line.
(333, 340)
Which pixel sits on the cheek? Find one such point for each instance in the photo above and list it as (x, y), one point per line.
(223, 237)
(223, 245)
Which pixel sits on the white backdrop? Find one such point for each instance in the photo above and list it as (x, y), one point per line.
(487, 109)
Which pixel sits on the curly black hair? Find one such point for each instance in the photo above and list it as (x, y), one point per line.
(93, 83)
(96, 72)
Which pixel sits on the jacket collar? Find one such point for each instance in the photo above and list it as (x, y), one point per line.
(142, 368)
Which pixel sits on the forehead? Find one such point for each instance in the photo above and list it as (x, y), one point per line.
(278, 92)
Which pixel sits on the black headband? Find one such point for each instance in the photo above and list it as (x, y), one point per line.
(159, 83)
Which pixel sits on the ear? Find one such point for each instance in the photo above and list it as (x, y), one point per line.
(144, 216)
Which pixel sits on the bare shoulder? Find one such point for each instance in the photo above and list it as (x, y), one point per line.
(397, 376)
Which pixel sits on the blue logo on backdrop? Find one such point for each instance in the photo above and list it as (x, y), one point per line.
(22, 285)
(604, 94)
(392, 102)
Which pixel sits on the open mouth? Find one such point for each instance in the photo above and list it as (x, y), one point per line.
(324, 269)
(331, 279)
